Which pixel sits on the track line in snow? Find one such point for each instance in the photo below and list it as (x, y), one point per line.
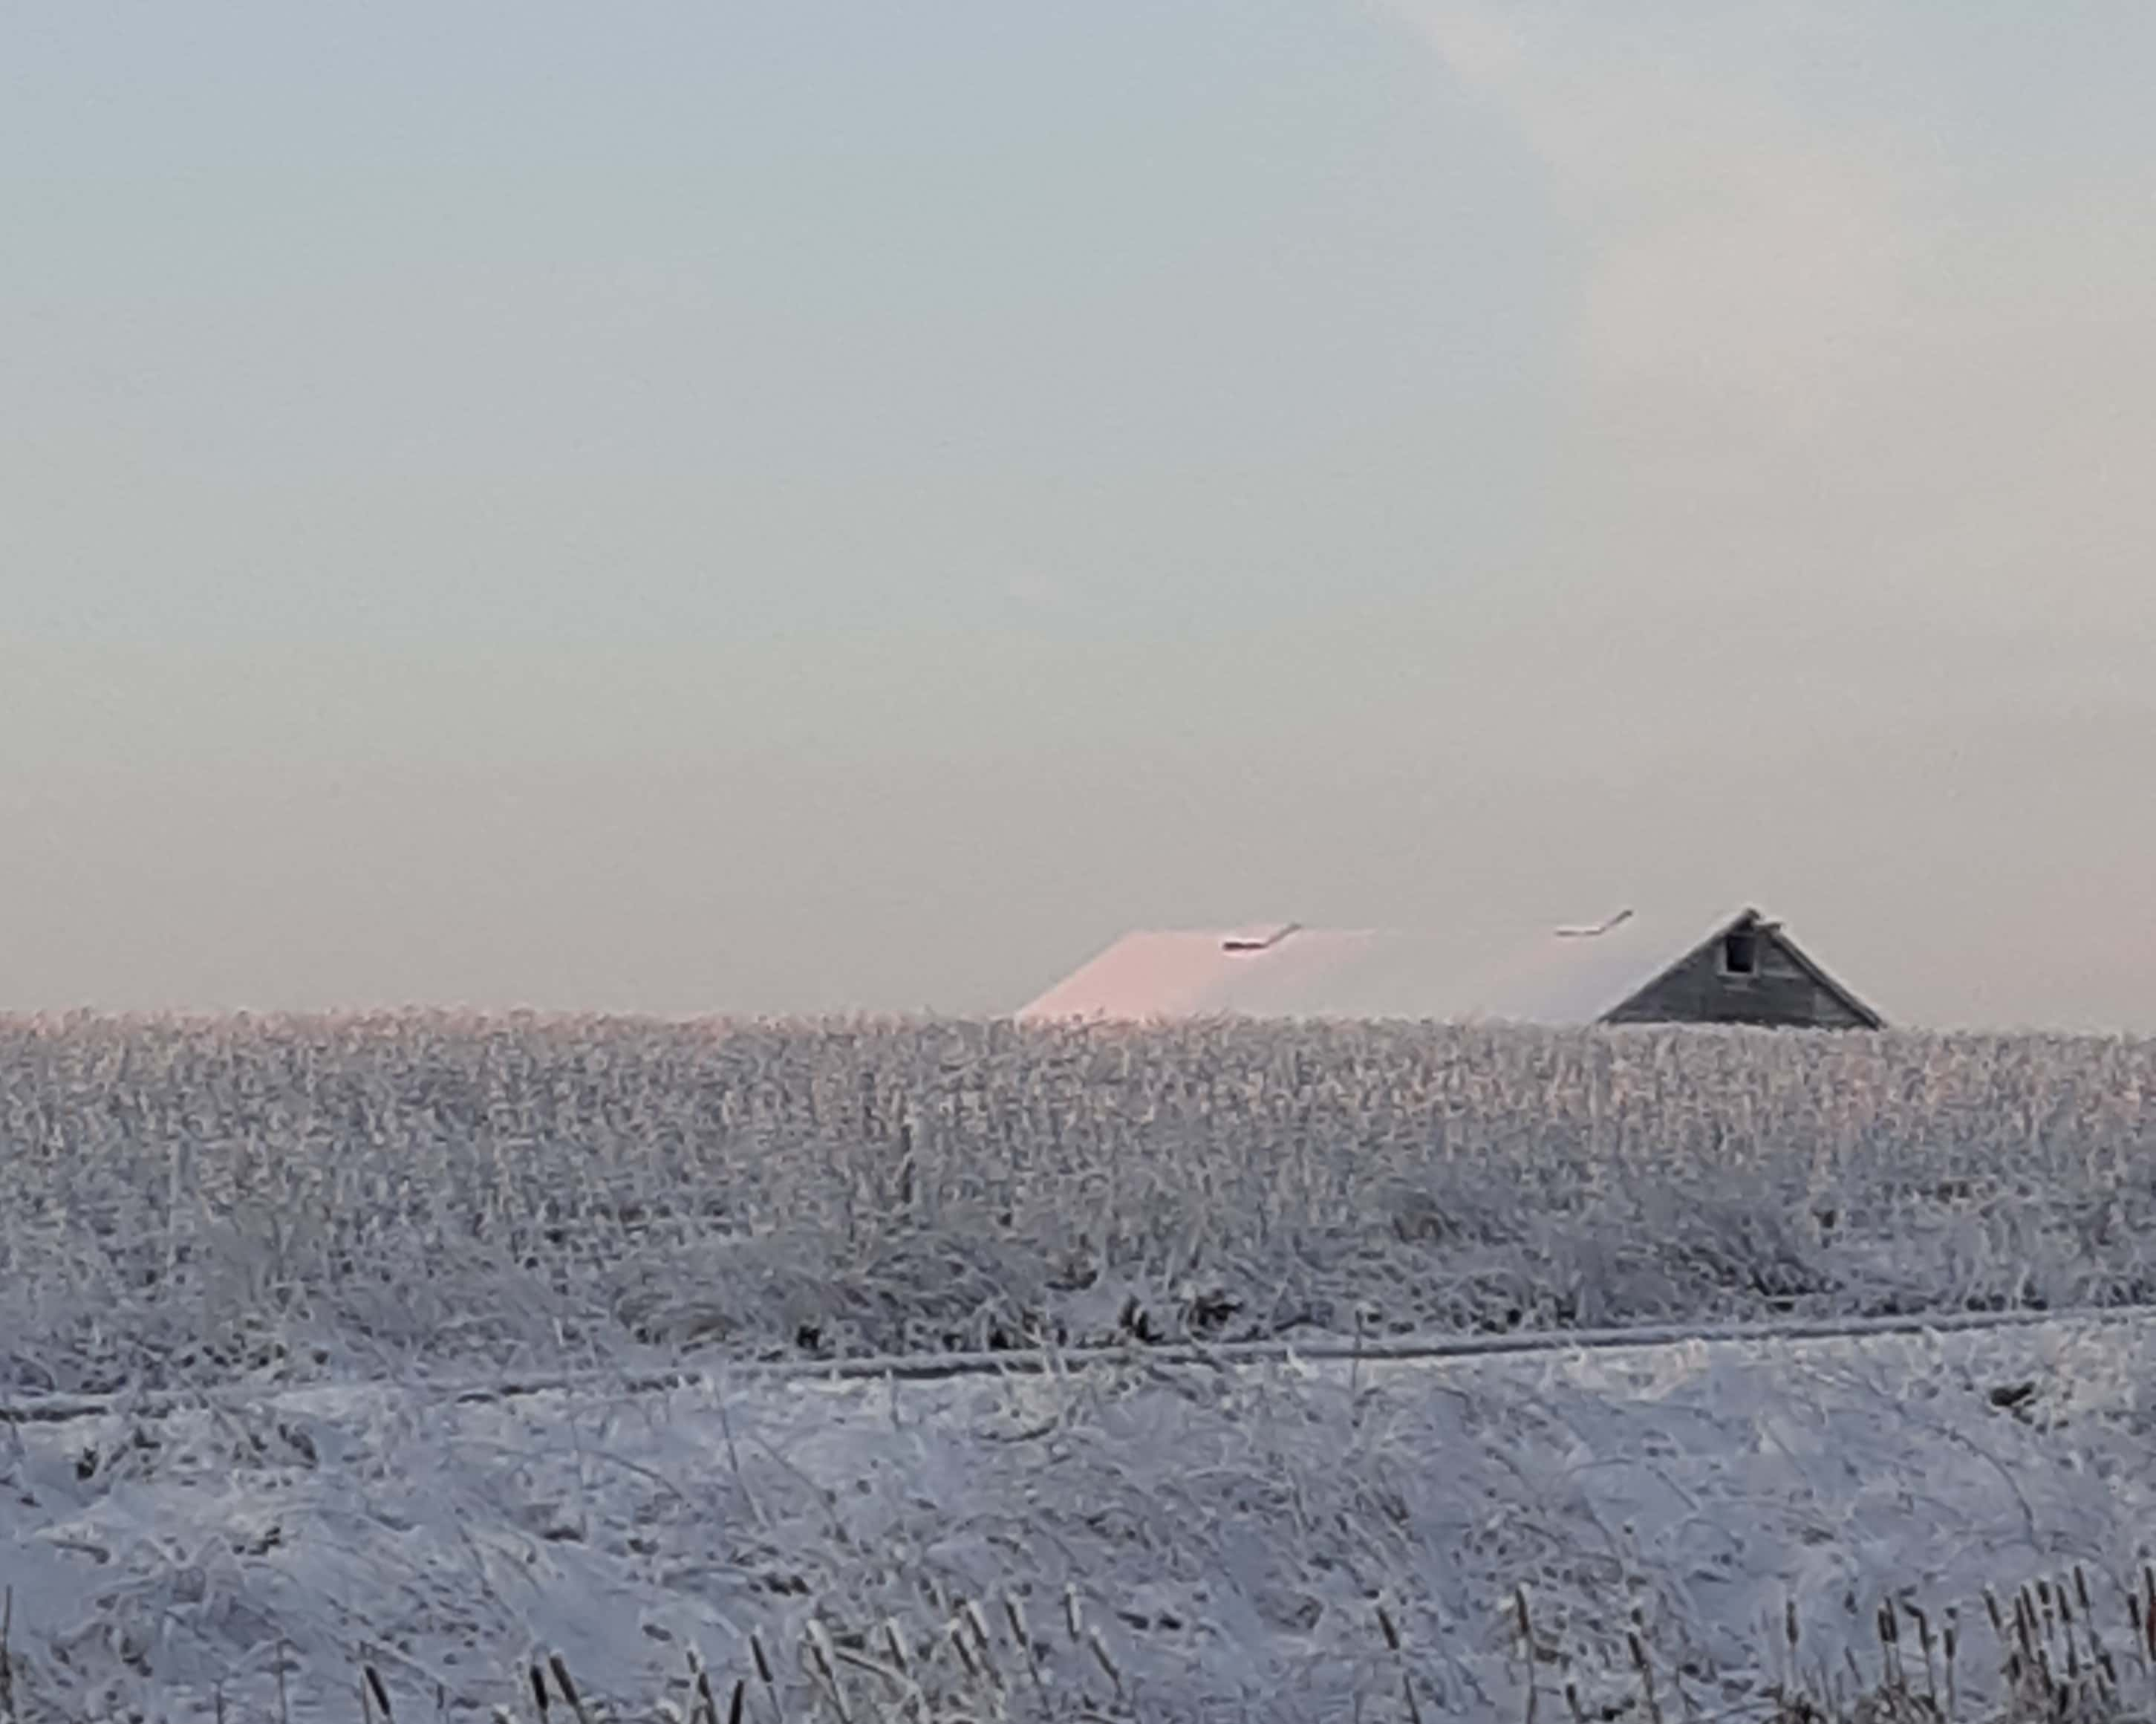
(936, 1367)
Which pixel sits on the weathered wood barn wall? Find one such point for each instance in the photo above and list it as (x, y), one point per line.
(1750, 972)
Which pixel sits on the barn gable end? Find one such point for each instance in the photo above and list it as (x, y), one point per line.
(1750, 973)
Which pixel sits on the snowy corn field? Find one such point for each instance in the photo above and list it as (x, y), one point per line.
(257, 1278)
(188, 1200)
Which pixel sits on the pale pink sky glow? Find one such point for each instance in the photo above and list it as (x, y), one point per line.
(712, 512)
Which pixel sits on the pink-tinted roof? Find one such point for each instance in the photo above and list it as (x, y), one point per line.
(1550, 977)
(1573, 977)
(1189, 974)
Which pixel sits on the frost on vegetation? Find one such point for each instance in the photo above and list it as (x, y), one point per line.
(192, 1201)
(1299, 1544)
(319, 1219)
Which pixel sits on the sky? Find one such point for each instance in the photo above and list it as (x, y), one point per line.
(701, 508)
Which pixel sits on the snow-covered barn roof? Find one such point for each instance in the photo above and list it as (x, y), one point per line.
(1571, 976)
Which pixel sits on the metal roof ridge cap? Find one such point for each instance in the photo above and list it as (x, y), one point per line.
(1273, 934)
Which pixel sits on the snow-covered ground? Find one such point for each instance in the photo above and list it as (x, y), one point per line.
(1228, 1535)
(258, 1250)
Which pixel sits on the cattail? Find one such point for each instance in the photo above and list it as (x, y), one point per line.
(957, 1631)
(827, 1667)
(538, 1690)
(970, 1613)
(1890, 1647)
(1924, 1640)
(1073, 1613)
(1526, 1628)
(1638, 1649)
(8, 1661)
(568, 1689)
(1100, 1650)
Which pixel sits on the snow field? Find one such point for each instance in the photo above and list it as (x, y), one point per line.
(1229, 1536)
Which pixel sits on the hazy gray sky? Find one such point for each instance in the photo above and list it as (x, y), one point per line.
(703, 507)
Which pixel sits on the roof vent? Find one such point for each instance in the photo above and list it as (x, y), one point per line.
(1258, 939)
(1616, 921)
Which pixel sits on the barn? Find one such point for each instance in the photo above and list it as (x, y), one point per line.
(1744, 969)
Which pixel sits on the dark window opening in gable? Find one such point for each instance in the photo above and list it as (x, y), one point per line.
(1740, 952)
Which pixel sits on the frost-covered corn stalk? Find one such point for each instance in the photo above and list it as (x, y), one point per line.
(194, 1197)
